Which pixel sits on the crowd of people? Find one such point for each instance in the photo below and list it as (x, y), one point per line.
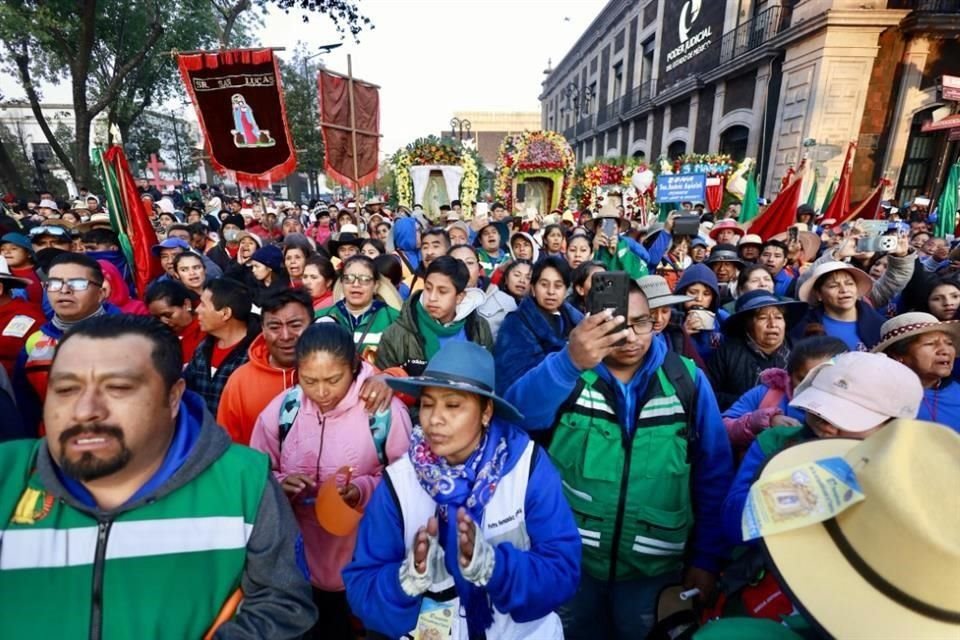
(345, 420)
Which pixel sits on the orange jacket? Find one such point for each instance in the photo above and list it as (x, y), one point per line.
(249, 390)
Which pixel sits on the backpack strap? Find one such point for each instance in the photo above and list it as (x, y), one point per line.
(289, 409)
(681, 372)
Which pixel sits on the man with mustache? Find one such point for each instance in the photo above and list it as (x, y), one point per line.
(138, 506)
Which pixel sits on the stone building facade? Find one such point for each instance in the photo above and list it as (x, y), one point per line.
(775, 80)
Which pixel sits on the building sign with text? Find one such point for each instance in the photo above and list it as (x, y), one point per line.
(692, 30)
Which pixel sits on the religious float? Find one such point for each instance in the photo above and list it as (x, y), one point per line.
(539, 163)
(432, 172)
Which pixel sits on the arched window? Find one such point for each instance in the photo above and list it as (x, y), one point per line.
(676, 149)
(733, 142)
(639, 155)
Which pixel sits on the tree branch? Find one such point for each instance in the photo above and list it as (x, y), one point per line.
(110, 93)
(22, 60)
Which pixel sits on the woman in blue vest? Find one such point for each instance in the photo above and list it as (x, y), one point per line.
(469, 534)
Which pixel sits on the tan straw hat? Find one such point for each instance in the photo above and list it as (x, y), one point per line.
(887, 566)
(908, 325)
(807, 294)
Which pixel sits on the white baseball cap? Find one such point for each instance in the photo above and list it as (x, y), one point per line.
(858, 391)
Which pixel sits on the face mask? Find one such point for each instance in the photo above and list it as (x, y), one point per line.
(231, 235)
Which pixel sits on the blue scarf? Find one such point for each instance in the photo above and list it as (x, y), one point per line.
(470, 485)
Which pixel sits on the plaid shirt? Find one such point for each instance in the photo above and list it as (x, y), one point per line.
(197, 373)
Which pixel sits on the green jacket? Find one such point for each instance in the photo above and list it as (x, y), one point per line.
(402, 345)
(630, 496)
(161, 567)
(368, 335)
(623, 260)
(776, 439)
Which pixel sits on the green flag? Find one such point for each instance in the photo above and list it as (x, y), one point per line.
(828, 197)
(947, 206)
(750, 207)
(812, 197)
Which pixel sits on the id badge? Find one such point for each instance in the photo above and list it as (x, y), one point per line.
(437, 620)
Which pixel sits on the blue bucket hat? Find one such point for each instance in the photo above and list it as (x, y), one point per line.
(461, 366)
(20, 240)
(793, 311)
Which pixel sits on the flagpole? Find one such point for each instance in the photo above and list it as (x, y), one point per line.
(353, 128)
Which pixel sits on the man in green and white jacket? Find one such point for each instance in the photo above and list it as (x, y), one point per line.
(136, 516)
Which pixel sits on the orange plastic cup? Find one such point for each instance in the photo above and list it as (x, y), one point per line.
(333, 514)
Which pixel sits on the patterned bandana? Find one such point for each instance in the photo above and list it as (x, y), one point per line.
(471, 484)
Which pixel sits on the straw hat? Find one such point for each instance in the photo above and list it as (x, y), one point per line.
(908, 325)
(608, 210)
(9, 280)
(807, 294)
(96, 220)
(750, 238)
(886, 567)
(809, 242)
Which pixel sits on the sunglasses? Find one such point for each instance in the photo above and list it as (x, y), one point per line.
(72, 284)
(351, 278)
(48, 231)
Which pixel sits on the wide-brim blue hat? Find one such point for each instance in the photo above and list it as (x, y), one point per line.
(793, 311)
(461, 366)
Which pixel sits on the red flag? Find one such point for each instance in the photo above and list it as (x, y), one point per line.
(342, 128)
(869, 209)
(131, 218)
(781, 213)
(839, 207)
(239, 102)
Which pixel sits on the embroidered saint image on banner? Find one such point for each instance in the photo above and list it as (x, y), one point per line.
(245, 131)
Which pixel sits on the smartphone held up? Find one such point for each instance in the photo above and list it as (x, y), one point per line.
(609, 290)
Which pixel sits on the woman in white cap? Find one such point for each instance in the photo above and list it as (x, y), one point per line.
(850, 396)
(929, 348)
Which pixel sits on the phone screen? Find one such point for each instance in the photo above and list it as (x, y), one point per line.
(609, 227)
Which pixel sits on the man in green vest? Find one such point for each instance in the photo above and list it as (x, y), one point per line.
(136, 516)
(637, 437)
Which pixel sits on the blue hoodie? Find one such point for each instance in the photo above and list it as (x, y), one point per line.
(542, 391)
(517, 584)
(706, 342)
(185, 435)
(405, 240)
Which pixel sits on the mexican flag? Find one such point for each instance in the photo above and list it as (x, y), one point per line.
(750, 207)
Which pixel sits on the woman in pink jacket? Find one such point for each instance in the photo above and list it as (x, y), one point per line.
(318, 427)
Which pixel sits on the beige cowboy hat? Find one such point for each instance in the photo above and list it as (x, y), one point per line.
(607, 210)
(96, 220)
(887, 566)
(915, 323)
(806, 292)
(809, 242)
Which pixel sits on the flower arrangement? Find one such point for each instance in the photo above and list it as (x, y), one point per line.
(607, 172)
(432, 150)
(534, 152)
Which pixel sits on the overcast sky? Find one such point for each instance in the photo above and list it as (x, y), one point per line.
(434, 57)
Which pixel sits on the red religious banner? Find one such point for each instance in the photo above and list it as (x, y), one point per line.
(239, 103)
(350, 121)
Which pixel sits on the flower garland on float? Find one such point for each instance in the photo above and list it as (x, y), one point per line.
(434, 151)
(544, 153)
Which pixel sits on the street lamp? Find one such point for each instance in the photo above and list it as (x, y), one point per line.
(459, 126)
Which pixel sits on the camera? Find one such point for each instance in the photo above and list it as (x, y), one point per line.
(875, 244)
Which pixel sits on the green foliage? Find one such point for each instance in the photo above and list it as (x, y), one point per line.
(299, 77)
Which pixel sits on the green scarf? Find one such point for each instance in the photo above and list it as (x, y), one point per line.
(432, 331)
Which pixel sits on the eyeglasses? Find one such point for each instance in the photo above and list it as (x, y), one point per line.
(47, 231)
(641, 327)
(352, 278)
(73, 284)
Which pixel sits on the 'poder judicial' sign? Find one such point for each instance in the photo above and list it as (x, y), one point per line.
(692, 30)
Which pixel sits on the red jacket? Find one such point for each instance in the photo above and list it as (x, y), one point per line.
(18, 319)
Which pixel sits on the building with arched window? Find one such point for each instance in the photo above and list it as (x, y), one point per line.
(775, 80)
